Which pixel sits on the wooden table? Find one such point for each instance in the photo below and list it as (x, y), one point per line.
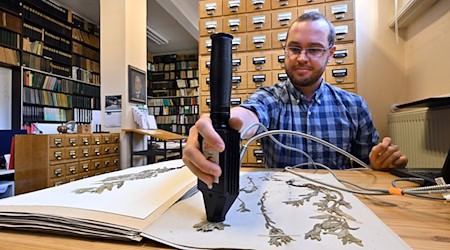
(423, 224)
(160, 134)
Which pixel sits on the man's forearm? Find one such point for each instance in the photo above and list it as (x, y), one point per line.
(248, 118)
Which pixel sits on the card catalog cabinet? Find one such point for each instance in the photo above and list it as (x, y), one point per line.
(259, 28)
(43, 161)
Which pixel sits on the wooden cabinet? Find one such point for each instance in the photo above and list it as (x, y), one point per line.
(43, 161)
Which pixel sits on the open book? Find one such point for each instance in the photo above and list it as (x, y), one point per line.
(116, 205)
(274, 210)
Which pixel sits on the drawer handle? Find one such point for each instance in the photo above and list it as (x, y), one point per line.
(106, 163)
(97, 165)
(107, 150)
(85, 141)
(73, 154)
(73, 169)
(86, 152)
(58, 172)
(73, 141)
(58, 142)
(58, 155)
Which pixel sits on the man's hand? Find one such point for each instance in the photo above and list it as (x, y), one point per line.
(205, 170)
(387, 155)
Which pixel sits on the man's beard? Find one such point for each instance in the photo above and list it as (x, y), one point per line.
(300, 82)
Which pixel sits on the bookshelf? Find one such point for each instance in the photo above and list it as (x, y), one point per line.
(58, 49)
(51, 98)
(10, 34)
(173, 91)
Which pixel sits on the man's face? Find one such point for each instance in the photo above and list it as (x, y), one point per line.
(137, 84)
(304, 70)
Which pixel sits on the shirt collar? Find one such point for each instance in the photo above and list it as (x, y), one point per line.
(299, 96)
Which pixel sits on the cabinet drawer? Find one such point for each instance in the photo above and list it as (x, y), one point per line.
(230, 7)
(57, 154)
(96, 150)
(258, 5)
(345, 31)
(279, 38)
(312, 8)
(344, 54)
(85, 152)
(259, 79)
(276, 4)
(259, 21)
(84, 166)
(57, 171)
(278, 58)
(106, 149)
(239, 43)
(239, 62)
(210, 26)
(107, 162)
(309, 2)
(255, 155)
(56, 181)
(260, 60)
(259, 40)
(96, 164)
(106, 139)
(234, 24)
(210, 8)
(85, 139)
(205, 64)
(71, 140)
(115, 148)
(238, 81)
(283, 18)
(340, 74)
(72, 153)
(279, 76)
(115, 137)
(340, 11)
(96, 139)
(72, 168)
(57, 141)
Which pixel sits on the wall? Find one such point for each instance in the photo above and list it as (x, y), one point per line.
(123, 42)
(428, 53)
(381, 75)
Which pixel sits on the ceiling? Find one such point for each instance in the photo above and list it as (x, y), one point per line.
(176, 20)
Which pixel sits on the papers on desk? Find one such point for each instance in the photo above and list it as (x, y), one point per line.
(252, 229)
(115, 205)
(134, 205)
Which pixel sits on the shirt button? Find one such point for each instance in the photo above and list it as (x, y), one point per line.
(318, 101)
(309, 112)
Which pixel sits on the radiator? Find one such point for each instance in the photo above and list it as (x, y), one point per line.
(422, 134)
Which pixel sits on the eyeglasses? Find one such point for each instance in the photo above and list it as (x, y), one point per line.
(293, 52)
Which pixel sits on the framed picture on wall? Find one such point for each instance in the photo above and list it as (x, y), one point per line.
(137, 86)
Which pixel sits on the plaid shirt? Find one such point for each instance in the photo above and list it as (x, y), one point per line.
(334, 115)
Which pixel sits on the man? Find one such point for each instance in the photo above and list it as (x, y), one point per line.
(302, 103)
(138, 92)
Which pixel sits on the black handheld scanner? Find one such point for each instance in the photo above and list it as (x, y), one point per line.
(224, 191)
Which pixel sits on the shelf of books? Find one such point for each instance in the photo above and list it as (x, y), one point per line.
(10, 33)
(173, 91)
(47, 39)
(86, 50)
(50, 98)
(41, 39)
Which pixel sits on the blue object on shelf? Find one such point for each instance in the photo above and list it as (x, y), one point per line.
(6, 189)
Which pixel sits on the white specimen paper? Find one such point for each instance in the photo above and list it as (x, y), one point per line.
(247, 230)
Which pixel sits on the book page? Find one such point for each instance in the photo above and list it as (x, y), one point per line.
(132, 197)
(272, 214)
